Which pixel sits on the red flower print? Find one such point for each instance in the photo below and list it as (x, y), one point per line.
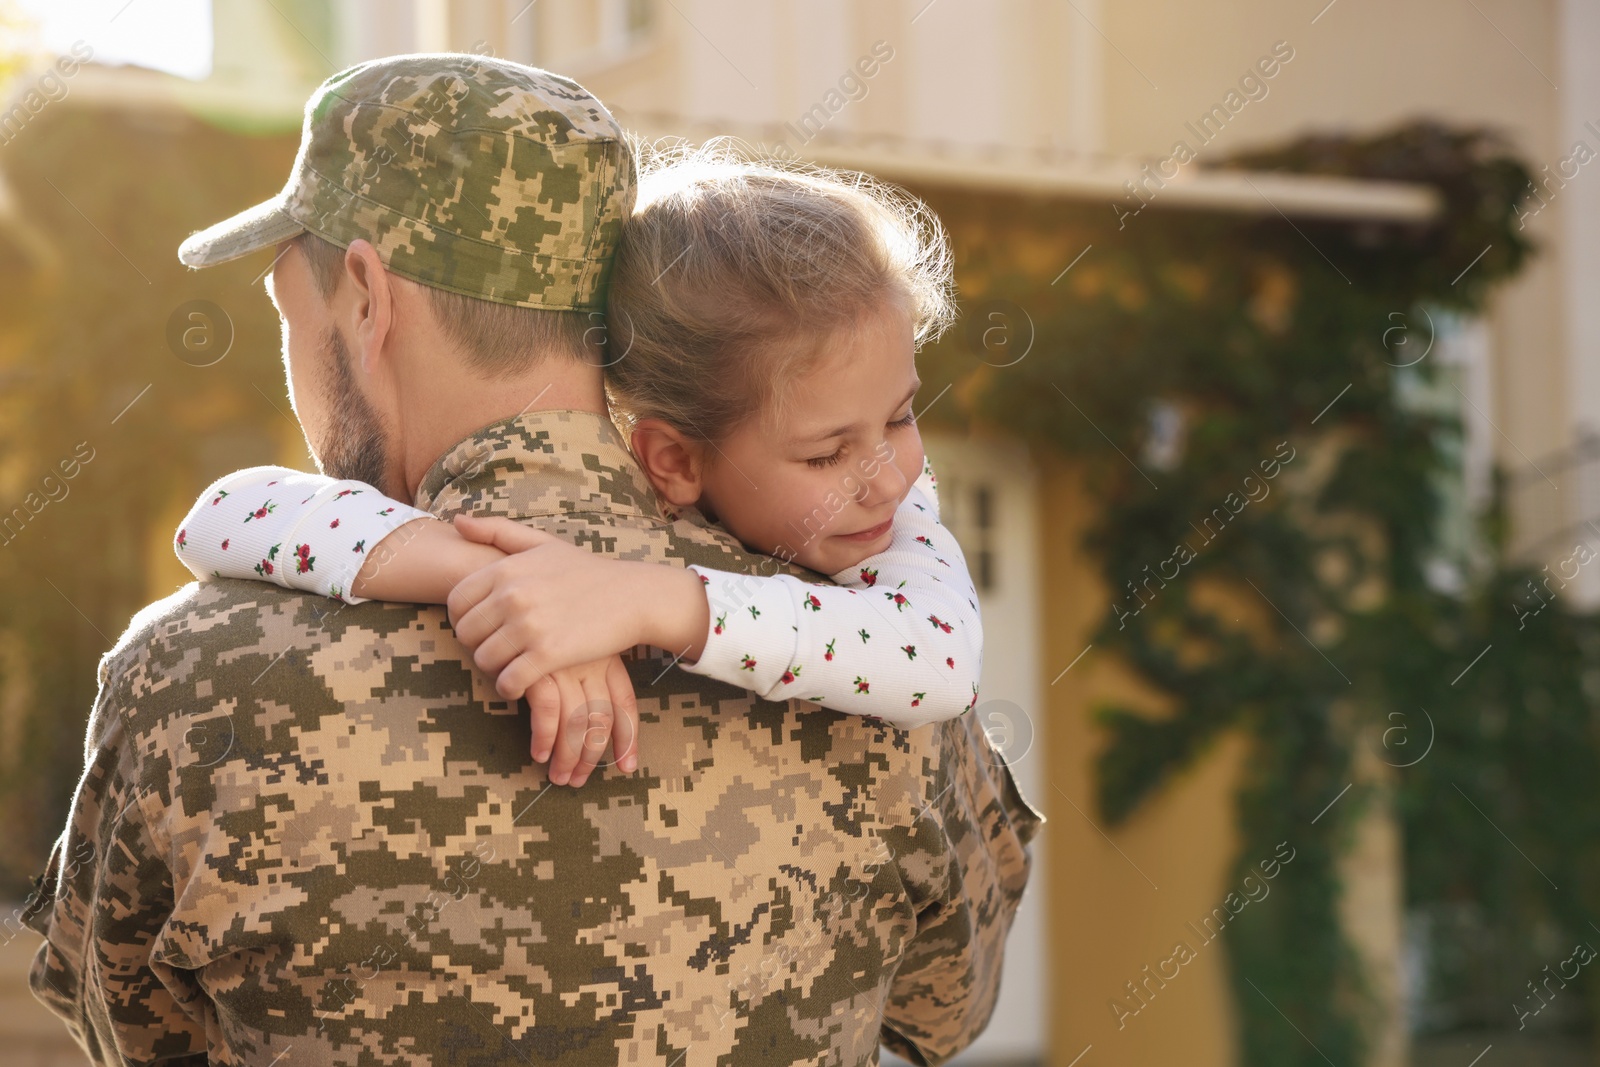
(861, 684)
(916, 698)
(747, 664)
(940, 623)
(909, 650)
(341, 494)
(262, 511)
(812, 602)
(869, 575)
(703, 579)
(387, 511)
(183, 539)
(264, 568)
(950, 661)
(361, 545)
(225, 541)
(218, 498)
(828, 652)
(303, 559)
(898, 599)
(790, 674)
(334, 525)
(722, 621)
(923, 539)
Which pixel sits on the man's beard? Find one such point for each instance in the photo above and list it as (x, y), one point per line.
(356, 447)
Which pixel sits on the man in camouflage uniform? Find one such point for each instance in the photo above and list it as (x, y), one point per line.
(310, 833)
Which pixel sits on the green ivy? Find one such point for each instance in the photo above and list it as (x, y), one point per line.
(1265, 336)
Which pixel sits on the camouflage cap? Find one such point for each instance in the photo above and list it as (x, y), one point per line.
(467, 173)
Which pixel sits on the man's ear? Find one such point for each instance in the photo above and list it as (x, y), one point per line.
(674, 463)
(369, 313)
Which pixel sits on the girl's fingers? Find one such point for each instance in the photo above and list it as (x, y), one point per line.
(600, 712)
(476, 619)
(544, 708)
(517, 677)
(625, 709)
(467, 594)
(574, 721)
(496, 651)
(505, 534)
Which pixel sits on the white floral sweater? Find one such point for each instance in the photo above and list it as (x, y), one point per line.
(899, 637)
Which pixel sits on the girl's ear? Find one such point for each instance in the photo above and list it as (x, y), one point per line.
(674, 463)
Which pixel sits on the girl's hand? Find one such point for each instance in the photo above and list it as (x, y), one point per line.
(545, 606)
(550, 605)
(576, 711)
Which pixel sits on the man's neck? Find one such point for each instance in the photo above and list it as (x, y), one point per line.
(452, 411)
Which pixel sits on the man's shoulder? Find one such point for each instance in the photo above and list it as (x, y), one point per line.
(229, 625)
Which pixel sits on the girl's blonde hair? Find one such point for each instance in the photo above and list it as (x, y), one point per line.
(732, 273)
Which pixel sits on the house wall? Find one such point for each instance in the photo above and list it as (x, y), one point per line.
(1121, 898)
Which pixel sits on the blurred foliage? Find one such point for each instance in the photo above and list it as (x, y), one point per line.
(1252, 335)
(103, 194)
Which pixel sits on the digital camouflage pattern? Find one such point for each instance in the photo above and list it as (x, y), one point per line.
(467, 173)
(313, 831)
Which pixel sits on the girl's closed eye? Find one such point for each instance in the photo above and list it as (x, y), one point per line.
(909, 418)
(825, 461)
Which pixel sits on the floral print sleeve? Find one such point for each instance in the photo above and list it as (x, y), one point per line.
(899, 638)
(301, 531)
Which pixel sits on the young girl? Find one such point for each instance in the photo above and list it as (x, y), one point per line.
(768, 321)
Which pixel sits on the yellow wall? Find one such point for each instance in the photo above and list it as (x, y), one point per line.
(1120, 899)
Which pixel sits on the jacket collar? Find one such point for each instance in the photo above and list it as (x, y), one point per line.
(537, 465)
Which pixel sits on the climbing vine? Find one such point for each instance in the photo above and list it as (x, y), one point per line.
(1268, 503)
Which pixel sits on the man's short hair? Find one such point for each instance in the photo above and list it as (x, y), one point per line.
(499, 339)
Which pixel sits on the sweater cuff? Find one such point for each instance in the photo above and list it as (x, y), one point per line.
(751, 637)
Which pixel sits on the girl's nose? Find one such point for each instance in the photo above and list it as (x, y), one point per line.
(886, 483)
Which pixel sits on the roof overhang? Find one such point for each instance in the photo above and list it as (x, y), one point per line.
(1106, 179)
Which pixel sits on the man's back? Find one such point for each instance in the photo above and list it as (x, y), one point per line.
(317, 830)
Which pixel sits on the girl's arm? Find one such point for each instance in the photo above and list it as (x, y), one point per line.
(337, 538)
(899, 638)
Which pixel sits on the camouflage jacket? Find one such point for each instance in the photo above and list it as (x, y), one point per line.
(311, 833)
